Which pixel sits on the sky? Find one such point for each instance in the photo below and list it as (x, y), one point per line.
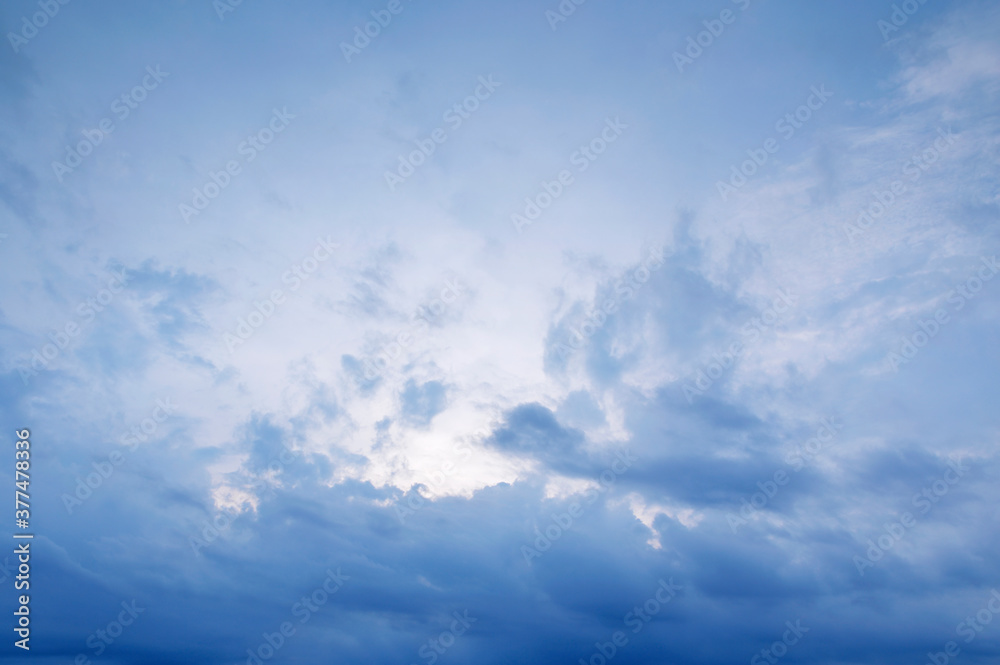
(501, 332)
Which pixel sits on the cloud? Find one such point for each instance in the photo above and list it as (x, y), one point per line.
(420, 403)
(505, 411)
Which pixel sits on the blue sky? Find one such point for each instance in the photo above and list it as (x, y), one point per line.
(617, 367)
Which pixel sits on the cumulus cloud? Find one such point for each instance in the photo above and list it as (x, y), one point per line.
(536, 430)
